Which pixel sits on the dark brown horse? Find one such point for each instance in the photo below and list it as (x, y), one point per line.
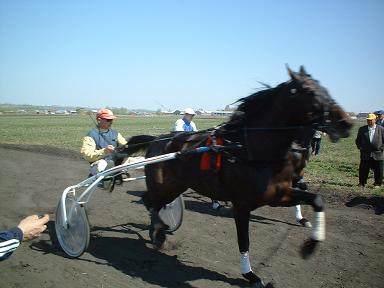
(261, 172)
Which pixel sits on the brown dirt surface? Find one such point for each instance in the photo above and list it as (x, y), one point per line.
(202, 253)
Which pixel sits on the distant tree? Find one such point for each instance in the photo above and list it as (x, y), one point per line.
(120, 111)
(228, 108)
(81, 111)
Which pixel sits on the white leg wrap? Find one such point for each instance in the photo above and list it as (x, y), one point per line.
(318, 232)
(298, 213)
(245, 265)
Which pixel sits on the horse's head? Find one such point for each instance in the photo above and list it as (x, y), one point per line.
(314, 106)
(289, 112)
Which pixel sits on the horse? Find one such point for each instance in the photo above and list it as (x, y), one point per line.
(260, 172)
(300, 158)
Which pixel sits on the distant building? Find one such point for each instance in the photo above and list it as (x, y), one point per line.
(221, 113)
(176, 112)
(169, 112)
(362, 115)
(62, 112)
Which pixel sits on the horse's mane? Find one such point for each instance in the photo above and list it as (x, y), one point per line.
(257, 103)
(253, 104)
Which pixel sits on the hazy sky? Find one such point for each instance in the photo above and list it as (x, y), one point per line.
(143, 54)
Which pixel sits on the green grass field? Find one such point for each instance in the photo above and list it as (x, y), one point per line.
(68, 131)
(335, 168)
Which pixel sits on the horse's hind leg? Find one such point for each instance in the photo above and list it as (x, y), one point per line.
(156, 197)
(157, 229)
(300, 219)
(298, 182)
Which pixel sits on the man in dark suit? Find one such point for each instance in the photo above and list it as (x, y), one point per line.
(370, 142)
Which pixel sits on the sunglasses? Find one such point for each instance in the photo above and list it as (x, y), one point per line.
(108, 120)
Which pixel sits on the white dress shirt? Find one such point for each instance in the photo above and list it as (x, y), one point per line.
(371, 131)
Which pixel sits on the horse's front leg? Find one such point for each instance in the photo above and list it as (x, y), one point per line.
(318, 229)
(242, 216)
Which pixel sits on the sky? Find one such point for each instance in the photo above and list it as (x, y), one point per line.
(177, 54)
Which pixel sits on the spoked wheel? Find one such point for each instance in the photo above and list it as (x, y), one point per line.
(172, 214)
(74, 238)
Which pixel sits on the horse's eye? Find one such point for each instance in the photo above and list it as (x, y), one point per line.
(293, 91)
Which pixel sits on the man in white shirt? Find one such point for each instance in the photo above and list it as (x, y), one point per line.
(370, 142)
(186, 124)
(316, 142)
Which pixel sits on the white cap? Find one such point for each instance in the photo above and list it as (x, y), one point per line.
(189, 111)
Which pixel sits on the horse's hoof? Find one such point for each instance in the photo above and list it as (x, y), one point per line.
(302, 186)
(158, 237)
(308, 248)
(252, 277)
(305, 223)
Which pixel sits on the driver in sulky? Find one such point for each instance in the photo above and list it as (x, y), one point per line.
(100, 143)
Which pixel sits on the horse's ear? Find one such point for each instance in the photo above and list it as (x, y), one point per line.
(291, 73)
(302, 71)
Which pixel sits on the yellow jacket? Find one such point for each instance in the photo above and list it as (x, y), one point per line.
(90, 153)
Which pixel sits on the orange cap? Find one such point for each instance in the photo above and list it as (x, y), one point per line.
(105, 113)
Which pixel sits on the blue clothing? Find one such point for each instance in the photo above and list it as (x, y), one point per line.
(187, 127)
(9, 241)
(103, 139)
(184, 125)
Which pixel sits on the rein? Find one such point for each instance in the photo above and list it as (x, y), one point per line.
(210, 130)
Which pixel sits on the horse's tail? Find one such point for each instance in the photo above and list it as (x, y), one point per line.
(139, 144)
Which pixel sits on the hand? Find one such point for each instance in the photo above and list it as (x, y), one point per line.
(110, 148)
(32, 226)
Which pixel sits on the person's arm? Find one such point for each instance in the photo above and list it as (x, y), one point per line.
(9, 241)
(30, 227)
(358, 139)
(89, 152)
(121, 140)
(179, 126)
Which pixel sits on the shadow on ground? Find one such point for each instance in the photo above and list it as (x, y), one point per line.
(136, 258)
(376, 202)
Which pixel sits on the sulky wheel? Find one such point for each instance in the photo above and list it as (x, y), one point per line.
(172, 214)
(74, 238)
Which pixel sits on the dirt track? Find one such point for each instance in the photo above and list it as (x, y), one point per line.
(202, 253)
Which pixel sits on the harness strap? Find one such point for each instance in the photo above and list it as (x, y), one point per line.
(211, 160)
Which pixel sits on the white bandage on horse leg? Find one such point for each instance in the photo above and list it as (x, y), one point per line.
(245, 265)
(298, 213)
(318, 232)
